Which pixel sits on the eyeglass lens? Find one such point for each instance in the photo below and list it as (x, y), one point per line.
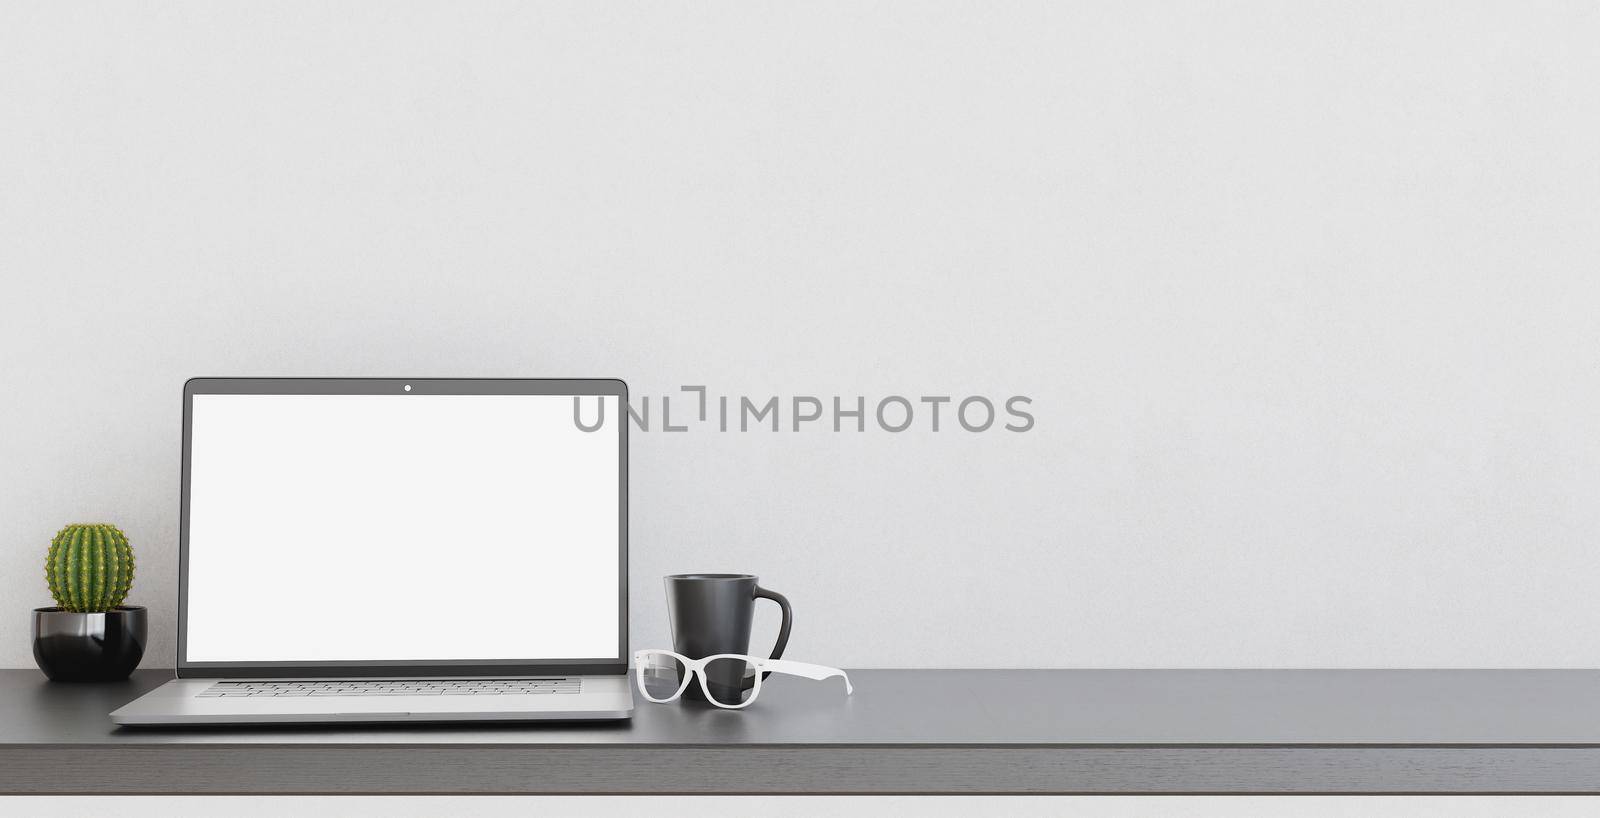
(663, 676)
(730, 681)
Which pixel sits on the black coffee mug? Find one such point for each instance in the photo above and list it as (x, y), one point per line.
(712, 614)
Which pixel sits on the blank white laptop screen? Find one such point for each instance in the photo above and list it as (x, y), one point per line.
(330, 528)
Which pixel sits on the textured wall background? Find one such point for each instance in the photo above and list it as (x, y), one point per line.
(1304, 294)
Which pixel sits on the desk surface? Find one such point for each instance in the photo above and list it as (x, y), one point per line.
(902, 731)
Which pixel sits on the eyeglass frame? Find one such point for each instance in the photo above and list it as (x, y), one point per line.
(763, 667)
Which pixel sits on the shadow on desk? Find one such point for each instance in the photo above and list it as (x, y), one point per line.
(366, 728)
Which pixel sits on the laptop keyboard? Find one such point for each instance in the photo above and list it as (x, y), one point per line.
(409, 687)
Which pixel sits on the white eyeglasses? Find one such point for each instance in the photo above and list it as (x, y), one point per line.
(729, 680)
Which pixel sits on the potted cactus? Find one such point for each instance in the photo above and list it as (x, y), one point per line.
(89, 636)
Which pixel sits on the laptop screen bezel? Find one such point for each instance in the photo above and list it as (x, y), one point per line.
(611, 387)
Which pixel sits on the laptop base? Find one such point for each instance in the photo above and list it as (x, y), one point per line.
(179, 702)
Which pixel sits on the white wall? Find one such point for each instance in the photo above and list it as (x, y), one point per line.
(1305, 295)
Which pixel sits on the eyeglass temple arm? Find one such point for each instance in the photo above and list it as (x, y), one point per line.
(807, 670)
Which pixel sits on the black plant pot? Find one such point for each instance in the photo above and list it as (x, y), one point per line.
(89, 647)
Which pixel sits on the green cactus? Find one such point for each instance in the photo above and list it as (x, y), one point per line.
(89, 567)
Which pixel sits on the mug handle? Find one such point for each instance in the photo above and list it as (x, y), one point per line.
(783, 629)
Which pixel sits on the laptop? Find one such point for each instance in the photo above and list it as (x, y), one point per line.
(400, 550)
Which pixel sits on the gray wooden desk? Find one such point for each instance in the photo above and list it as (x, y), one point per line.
(904, 731)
